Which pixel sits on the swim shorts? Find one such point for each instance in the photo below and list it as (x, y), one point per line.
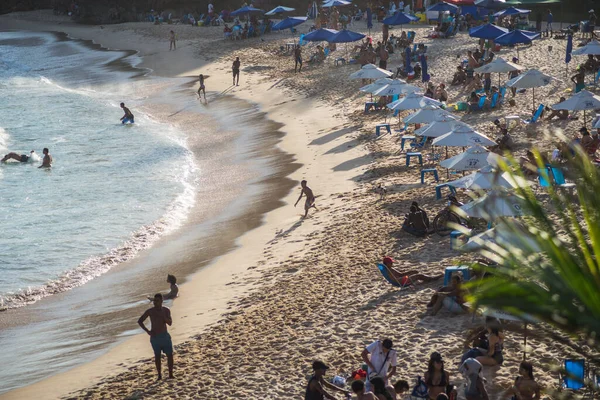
(452, 305)
(579, 87)
(162, 342)
(236, 72)
(126, 120)
(24, 158)
(404, 280)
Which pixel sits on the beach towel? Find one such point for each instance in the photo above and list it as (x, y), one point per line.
(420, 391)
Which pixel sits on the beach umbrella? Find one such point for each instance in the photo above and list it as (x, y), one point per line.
(369, 18)
(336, 3)
(424, 75)
(582, 101)
(499, 65)
(313, 11)
(511, 11)
(279, 10)
(530, 80)
(490, 3)
(597, 124)
(518, 36)
(375, 86)
(370, 71)
(495, 204)
(488, 31)
(288, 23)
(345, 36)
(428, 114)
(320, 35)
(488, 178)
(438, 128)
(413, 101)
(568, 54)
(463, 136)
(408, 67)
(247, 10)
(593, 48)
(474, 157)
(443, 6)
(396, 88)
(400, 19)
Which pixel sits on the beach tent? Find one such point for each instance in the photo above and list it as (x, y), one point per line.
(370, 71)
(396, 88)
(400, 19)
(511, 11)
(345, 36)
(439, 128)
(530, 80)
(474, 157)
(413, 101)
(427, 115)
(336, 3)
(516, 37)
(288, 23)
(593, 47)
(488, 178)
(463, 136)
(247, 10)
(320, 35)
(582, 101)
(443, 6)
(280, 10)
(488, 31)
(495, 204)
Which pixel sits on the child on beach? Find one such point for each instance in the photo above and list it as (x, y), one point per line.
(202, 88)
(172, 41)
(174, 292)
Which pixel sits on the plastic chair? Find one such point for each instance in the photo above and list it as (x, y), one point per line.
(543, 177)
(536, 116)
(419, 145)
(301, 41)
(494, 100)
(502, 94)
(429, 170)
(574, 375)
(438, 190)
(386, 275)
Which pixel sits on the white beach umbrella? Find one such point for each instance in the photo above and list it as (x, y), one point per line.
(439, 128)
(413, 101)
(530, 80)
(503, 234)
(370, 71)
(463, 136)
(375, 86)
(583, 100)
(494, 205)
(427, 114)
(597, 124)
(488, 178)
(474, 157)
(499, 65)
(396, 88)
(593, 47)
(279, 9)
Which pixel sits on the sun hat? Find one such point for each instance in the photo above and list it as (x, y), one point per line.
(319, 365)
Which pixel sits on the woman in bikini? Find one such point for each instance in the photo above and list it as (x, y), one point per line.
(496, 343)
(436, 378)
(525, 388)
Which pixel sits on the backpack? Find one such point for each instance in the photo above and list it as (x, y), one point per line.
(420, 391)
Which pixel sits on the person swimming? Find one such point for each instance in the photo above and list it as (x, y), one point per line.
(19, 157)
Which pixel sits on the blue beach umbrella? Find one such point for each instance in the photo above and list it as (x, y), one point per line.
(345, 36)
(279, 10)
(490, 3)
(369, 18)
(424, 75)
(443, 6)
(288, 23)
(511, 11)
(517, 37)
(320, 35)
(247, 10)
(488, 31)
(408, 68)
(400, 19)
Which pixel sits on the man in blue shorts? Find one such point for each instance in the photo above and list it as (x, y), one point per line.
(128, 117)
(160, 339)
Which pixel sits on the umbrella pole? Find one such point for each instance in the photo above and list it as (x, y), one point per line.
(525, 344)
(533, 90)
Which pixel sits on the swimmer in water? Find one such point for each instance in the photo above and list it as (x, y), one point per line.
(172, 280)
(19, 157)
(202, 88)
(310, 198)
(47, 161)
(128, 117)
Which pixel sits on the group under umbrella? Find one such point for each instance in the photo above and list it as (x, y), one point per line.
(320, 35)
(530, 80)
(516, 37)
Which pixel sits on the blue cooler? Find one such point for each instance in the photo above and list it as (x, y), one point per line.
(464, 270)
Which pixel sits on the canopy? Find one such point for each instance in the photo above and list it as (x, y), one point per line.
(375, 86)
(583, 100)
(320, 35)
(396, 88)
(499, 65)
(400, 19)
(517, 37)
(336, 3)
(443, 6)
(530, 79)
(427, 114)
(488, 178)
(495, 204)
(462, 137)
(279, 10)
(475, 157)
(511, 11)
(345, 36)
(439, 128)
(593, 47)
(488, 31)
(370, 71)
(413, 101)
(247, 10)
(288, 23)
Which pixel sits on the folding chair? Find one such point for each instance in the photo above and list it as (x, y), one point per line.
(574, 376)
(494, 100)
(536, 116)
(392, 281)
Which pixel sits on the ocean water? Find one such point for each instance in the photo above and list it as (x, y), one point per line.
(112, 191)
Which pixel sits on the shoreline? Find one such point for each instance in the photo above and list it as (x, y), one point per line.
(248, 247)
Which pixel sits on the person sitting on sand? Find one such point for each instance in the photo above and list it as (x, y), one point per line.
(592, 147)
(460, 76)
(450, 297)
(473, 101)
(19, 157)
(358, 387)
(380, 390)
(493, 356)
(404, 277)
(401, 387)
(562, 115)
(474, 388)
(591, 64)
(160, 339)
(436, 378)
(430, 92)
(475, 84)
(174, 292)
(505, 142)
(414, 222)
(315, 390)
(440, 93)
(525, 387)
(310, 198)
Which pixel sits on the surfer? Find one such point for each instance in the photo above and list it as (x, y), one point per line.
(128, 117)
(47, 161)
(310, 198)
(202, 88)
(19, 157)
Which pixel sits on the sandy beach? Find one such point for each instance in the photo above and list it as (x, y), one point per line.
(249, 325)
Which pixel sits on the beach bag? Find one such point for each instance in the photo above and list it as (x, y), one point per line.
(420, 391)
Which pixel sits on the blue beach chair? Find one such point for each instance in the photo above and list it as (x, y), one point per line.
(574, 375)
(494, 102)
(536, 116)
(386, 275)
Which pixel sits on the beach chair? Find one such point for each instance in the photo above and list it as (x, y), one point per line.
(502, 94)
(301, 41)
(494, 102)
(536, 116)
(559, 179)
(543, 177)
(388, 277)
(479, 106)
(574, 375)
(418, 145)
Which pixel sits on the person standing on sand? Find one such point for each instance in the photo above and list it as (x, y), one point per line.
(47, 161)
(235, 67)
(579, 79)
(172, 41)
(160, 339)
(381, 358)
(202, 88)
(310, 198)
(315, 390)
(297, 58)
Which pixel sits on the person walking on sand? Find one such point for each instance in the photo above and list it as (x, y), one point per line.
(315, 390)
(310, 198)
(549, 19)
(202, 88)
(160, 339)
(172, 41)
(47, 160)
(235, 68)
(297, 58)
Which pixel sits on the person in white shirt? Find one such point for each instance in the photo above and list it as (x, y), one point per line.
(211, 8)
(381, 358)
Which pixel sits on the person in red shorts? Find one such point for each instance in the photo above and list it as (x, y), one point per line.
(404, 277)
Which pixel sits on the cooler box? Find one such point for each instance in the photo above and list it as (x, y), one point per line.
(464, 270)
